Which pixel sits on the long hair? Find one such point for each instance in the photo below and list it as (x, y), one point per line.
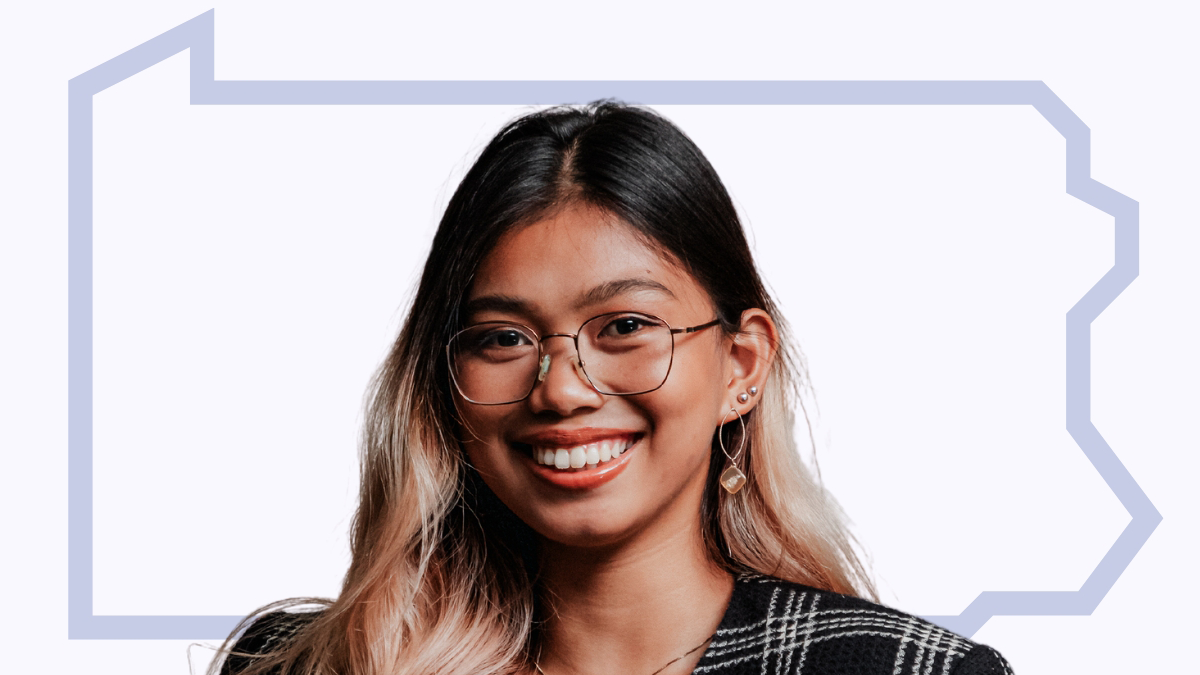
(441, 579)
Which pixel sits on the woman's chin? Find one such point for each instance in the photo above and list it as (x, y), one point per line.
(583, 531)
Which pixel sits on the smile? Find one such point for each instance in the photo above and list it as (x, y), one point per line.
(581, 457)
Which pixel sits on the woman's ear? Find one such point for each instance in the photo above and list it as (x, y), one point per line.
(751, 353)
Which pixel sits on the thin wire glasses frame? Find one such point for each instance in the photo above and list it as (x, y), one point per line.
(541, 354)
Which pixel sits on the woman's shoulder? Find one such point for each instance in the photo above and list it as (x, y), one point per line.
(266, 634)
(773, 625)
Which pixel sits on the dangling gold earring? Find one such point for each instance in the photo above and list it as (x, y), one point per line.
(732, 479)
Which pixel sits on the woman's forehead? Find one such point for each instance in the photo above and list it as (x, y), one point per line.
(580, 256)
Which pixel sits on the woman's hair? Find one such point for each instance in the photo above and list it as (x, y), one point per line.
(442, 578)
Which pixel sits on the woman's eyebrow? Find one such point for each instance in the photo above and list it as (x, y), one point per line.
(611, 289)
(507, 304)
(504, 304)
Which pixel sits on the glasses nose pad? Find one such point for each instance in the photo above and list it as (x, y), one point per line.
(543, 368)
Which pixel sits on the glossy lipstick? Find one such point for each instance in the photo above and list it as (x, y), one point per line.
(586, 478)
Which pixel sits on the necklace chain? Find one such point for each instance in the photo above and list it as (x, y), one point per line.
(668, 664)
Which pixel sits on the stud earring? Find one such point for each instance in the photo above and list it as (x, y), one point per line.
(754, 391)
(743, 397)
(732, 479)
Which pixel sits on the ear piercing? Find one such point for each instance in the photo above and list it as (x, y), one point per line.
(732, 478)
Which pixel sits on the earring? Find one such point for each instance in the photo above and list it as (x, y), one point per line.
(732, 479)
(743, 397)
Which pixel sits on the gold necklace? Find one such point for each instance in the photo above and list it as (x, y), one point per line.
(665, 666)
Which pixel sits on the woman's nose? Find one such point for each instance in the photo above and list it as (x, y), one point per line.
(562, 386)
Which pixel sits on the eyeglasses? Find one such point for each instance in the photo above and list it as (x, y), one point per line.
(620, 354)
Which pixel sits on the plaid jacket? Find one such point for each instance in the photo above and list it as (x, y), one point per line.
(774, 627)
(781, 628)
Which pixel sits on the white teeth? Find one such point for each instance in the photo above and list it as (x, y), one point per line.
(578, 457)
(581, 456)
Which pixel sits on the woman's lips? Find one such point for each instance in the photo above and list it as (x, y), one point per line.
(579, 460)
(566, 438)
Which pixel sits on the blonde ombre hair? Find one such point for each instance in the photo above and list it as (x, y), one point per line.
(443, 577)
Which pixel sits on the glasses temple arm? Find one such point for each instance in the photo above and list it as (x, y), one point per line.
(693, 329)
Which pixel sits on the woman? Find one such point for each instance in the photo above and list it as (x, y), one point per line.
(579, 456)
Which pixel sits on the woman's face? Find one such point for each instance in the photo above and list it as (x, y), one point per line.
(552, 276)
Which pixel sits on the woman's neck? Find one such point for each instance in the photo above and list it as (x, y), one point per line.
(630, 608)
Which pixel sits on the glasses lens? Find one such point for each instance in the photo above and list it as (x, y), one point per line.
(494, 362)
(625, 353)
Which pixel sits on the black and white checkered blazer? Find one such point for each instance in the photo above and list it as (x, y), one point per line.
(775, 627)
(780, 628)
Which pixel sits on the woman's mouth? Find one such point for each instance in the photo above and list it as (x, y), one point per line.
(579, 460)
(581, 457)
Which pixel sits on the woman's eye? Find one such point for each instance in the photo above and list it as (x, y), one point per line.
(625, 325)
(503, 338)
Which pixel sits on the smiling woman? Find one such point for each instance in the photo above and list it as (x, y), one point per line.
(579, 454)
(631, 384)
